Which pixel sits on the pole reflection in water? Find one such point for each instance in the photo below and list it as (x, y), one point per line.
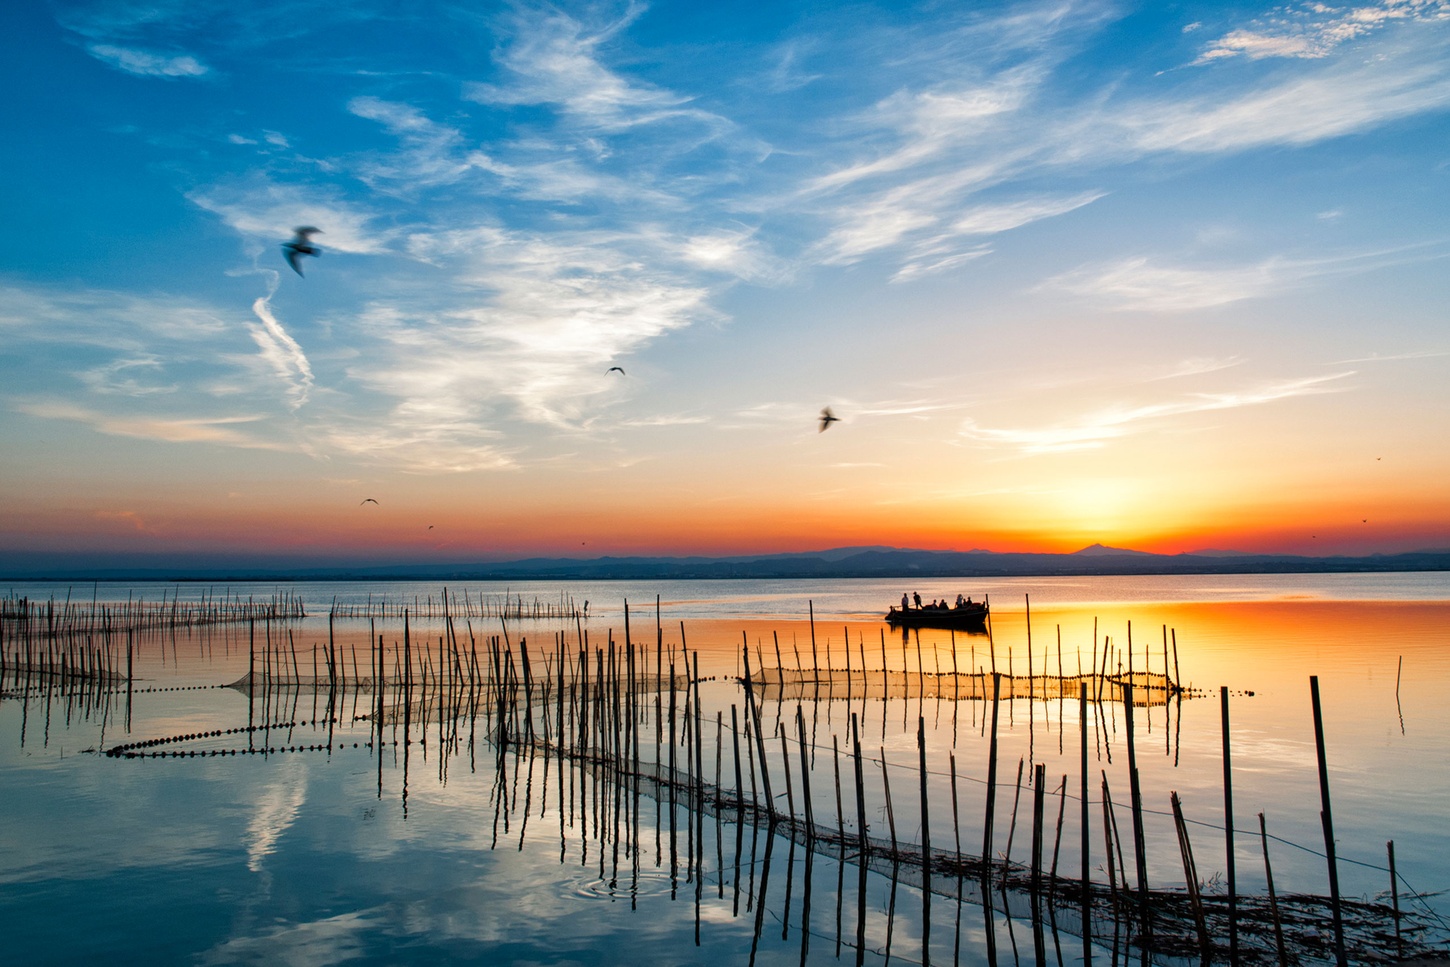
(576, 718)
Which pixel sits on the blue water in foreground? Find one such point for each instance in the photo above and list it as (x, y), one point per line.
(453, 853)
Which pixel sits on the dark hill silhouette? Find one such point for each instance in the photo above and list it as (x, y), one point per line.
(835, 563)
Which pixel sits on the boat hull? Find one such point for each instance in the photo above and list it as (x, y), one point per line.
(971, 617)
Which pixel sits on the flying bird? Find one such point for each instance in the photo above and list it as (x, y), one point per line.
(614, 369)
(430, 526)
(301, 245)
(827, 418)
(369, 500)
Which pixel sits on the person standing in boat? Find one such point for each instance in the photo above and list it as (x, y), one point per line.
(905, 605)
(916, 596)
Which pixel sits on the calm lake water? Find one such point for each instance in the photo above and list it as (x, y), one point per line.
(439, 849)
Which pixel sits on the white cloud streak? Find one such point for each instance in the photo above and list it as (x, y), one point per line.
(282, 353)
(1141, 284)
(555, 60)
(218, 429)
(1097, 429)
(147, 63)
(1315, 30)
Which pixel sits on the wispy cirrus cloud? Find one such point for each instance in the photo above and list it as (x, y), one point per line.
(215, 429)
(1314, 30)
(1393, 357)
(1096, 429)
(282, 353)
(554, 59)
(1146, 285)
(266, 210)
(126, 376)
(546, 315)
(1142, 285)
(431, 152)
(935, 147)
(1339, 98)
(147, 63)
(1198, 366)
(147, 366)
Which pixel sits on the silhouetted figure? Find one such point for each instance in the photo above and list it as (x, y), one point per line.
(301, 245)
(904, 603)
(916, 596)
(827, 418)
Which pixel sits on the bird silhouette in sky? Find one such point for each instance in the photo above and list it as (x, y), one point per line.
(827, 418)
(301, 245)
(369, 500)
(430, 526)
(614, 369)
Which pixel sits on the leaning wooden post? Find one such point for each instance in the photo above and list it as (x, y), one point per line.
(1395, 896)
(1328, 821)
(759, 738)
(991, 779)
(1228, 827)
(1273, 897)
(1190, 876)
(890, 813)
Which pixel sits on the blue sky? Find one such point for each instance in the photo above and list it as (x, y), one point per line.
(1151, 274)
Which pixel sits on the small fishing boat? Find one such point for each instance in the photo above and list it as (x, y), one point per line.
(968, 614)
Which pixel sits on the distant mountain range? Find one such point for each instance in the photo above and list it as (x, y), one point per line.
(841, 562)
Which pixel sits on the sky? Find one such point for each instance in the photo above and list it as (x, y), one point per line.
(1168, 276)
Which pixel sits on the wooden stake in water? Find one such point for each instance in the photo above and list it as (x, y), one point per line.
(925, 812)
(1140, 857)
(925, 844)
(815, 659)
(1273, 897)
(890, 813)
(1328, 822)
(1039, 779)
(1190, 876)
(759, 737)
(1087, 947)
(785, 762)
(860, 792)
(810, 812)
(1228, 826)
(735, 738)
(1395, 897)
(991, 809)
